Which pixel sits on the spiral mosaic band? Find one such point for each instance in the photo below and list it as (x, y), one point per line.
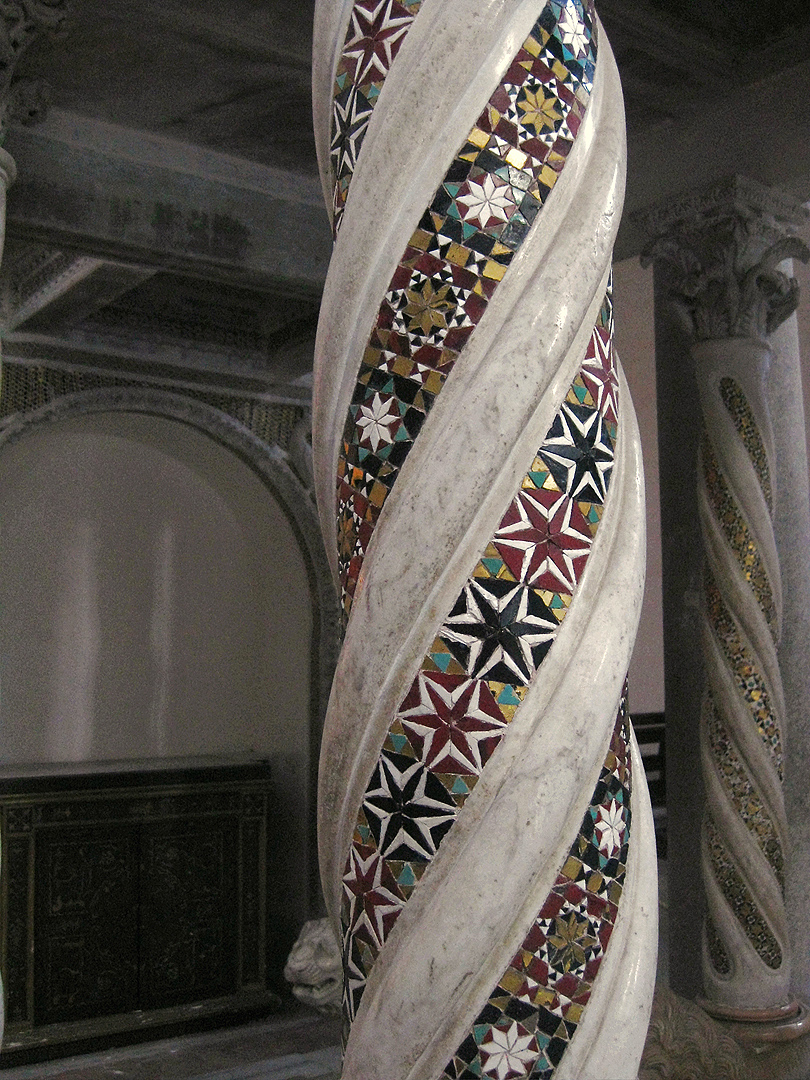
(533, 1013)
(376, 31)
(497, 914)
(485, 654)
(468, 236)
(746, 955)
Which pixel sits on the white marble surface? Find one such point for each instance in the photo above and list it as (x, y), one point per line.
(494, 868)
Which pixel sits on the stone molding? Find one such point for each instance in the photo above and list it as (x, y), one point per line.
(133, 196)
(683, 1041)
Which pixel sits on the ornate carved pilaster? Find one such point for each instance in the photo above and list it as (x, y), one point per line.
(479, 483)
(721, 253)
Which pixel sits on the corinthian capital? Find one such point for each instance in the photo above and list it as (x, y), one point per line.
(722, 249)
(21, 22)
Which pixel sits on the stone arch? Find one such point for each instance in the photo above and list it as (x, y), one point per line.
(281, 475)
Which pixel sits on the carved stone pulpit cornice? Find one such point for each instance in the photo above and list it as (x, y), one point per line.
(721, 249)
(21, 23)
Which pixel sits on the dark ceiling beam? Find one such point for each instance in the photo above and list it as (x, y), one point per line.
(759, 131)
(76, 287)
(114, 193)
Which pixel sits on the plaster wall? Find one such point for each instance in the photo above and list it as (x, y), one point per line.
(155, 599)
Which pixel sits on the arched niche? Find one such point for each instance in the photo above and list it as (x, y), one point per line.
(165, 594)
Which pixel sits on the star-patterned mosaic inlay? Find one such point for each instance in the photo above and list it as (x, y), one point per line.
(499, 630)
(534, 1011)
(461, 249)
(543, 538)
(375, 34)
(485, 653)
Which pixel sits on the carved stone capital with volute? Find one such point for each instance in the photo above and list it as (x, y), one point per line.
(21, 23)
(722, 249)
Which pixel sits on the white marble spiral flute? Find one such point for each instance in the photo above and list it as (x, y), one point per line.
(480, 488)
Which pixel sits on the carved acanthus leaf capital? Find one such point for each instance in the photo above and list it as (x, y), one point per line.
(722, 250)
(21, 22)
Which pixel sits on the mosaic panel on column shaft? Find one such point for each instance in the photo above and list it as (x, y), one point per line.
(533, 1013)
(737, 534)
(461, 249)
(377, 29)
(474, 677)
(740, 411)
(742, 664)
(740, 898)
(716, 949)
(741, 790)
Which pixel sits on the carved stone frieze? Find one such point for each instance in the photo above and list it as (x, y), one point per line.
(722, 250)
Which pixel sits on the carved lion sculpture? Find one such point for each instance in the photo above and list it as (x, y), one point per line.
(314, 967)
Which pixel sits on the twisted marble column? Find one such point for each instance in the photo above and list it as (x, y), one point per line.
(723, 251)
(746, 947)
(480, 490)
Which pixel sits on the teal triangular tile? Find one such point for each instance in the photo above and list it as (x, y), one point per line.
(508, 696)
(407, 877)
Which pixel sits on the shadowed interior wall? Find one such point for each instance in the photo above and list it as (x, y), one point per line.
(155, 600)
(635, 342)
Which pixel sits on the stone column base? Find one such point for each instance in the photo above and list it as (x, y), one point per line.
(753, 1027)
